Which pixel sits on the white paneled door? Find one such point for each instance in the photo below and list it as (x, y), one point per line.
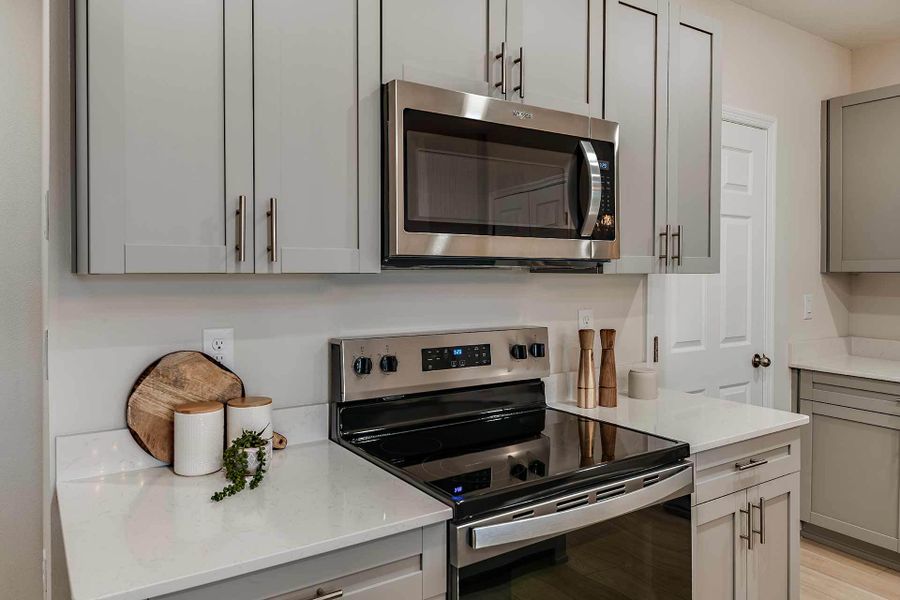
(711, 326)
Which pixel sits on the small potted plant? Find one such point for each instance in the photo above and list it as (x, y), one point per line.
(245, 463)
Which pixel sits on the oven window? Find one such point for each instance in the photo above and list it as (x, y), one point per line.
(473, 177)
(645, 555)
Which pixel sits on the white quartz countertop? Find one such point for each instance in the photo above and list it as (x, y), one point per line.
(703, 422)
(853, 356)
(150, 532)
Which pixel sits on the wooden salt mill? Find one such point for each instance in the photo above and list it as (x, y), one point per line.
(608, 392)
(587, 391)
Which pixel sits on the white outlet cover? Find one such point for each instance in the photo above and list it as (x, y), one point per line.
(807, 307)
(585, 318)
(219, 343)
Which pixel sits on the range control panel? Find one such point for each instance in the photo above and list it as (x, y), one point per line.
(385, 366)
(456, 357)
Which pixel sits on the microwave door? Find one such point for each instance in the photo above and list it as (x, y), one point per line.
(594, 188)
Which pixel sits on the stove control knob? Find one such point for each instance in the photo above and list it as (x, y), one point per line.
(538, 350)
(389, 363)
(519, 352)
(519, 471)
(362, 365)
(538, 468)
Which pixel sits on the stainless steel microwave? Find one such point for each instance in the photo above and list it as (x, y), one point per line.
(475, 181)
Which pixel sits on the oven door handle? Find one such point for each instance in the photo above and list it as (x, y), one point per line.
(559, 523)
(593, 210)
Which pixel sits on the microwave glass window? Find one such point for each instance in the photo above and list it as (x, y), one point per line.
(473, 177)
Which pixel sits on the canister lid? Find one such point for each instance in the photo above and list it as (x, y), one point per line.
(249, 402)
(198, 408)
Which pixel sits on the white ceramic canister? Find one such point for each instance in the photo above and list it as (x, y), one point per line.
(642, 384)
(199, 438)
(251, 413)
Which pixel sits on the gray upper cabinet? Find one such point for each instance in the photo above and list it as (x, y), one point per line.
(663, 86)
(156, 193)
(861, 182)
(452, 45)
(309, 187)
(695, 141)
(548, 52)
(190, 112)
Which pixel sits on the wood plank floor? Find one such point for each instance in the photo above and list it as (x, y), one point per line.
(828, 574)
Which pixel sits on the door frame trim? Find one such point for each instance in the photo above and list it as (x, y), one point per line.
(768, 124)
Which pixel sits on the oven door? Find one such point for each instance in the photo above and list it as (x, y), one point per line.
(629, 539)
(474, 178)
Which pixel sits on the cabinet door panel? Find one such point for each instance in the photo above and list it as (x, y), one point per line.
(636, 99)
(155, 136)
(554, 38)
(695, 123)
(306, 134)
(445, 44)
(774, 562)
(720, 555)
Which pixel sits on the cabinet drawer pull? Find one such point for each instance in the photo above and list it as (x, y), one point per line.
(273, 229)
(749, 536)
(502, 58)
(750, 464)
(521, 62)
(321, 595)
(242, 229)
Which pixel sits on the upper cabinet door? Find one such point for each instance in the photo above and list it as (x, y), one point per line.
(154, 108)
(547, 52)
(636, 79)
(695, 126)
(454, 45)
(307, 125)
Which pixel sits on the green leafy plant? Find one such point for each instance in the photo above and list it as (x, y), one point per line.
(237, 466)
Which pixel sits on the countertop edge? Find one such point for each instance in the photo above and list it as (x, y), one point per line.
(860, 373)
(273, 560)
(799, 422)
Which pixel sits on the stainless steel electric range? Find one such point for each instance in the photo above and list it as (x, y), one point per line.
(543, 501)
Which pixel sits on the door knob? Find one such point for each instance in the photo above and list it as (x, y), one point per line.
(761, 360)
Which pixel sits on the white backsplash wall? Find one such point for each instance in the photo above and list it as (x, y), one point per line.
(106, 329)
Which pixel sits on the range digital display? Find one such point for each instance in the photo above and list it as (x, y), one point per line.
(456, 357)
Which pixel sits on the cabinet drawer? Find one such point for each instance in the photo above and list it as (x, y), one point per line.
(852, 392)
(388, 582)
(739, 466)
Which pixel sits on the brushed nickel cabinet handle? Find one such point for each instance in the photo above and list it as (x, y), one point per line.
(502, 58)
(521, 62)
(749, 536)
(761, 532)
(664, 246)
(321, 595)
(273, 229)
(750, 464)
(241, 214)
(676, 255)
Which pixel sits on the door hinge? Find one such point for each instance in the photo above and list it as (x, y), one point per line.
(656, 348)
(47, 214)
(46, 355)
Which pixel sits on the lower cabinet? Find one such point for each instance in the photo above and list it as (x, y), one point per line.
(747, 544)
(410, 565)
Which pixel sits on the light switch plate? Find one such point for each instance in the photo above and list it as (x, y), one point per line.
(807, 307)
(585, 318)
(219, 343)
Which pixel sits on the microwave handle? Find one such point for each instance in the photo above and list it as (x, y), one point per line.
(593, 210)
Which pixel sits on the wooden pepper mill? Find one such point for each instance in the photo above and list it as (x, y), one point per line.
(608, 392)
(587, 390)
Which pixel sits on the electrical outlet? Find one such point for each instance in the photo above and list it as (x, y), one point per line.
(219, 343)
(807, 307)
(585, 318)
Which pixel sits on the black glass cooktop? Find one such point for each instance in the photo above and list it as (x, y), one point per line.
(497, 461)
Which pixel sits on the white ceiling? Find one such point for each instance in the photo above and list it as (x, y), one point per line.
(850, 23)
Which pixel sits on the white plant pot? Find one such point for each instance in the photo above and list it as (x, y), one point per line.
(253, 463)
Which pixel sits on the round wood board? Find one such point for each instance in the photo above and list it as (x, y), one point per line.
(175, 379)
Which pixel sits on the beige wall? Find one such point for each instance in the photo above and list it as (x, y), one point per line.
(876, 66)
(772, 68)
(20, 299)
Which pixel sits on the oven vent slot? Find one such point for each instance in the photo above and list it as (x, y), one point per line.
(523, 515)
(572, 503)
(651, 480)
(616, 491)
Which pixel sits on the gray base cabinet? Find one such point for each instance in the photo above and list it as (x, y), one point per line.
(409, 565)
(851, 473)
(746, 537)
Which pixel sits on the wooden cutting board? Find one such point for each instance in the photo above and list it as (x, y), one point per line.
(175, 379)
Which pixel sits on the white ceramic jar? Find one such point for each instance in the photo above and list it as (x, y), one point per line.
(199, 438)
(642, 384)
(251, 413)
